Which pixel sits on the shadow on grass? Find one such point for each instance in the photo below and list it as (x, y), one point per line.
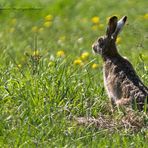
(132, 121)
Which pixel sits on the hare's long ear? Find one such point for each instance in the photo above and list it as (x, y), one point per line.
(119, 27)
(112, 24)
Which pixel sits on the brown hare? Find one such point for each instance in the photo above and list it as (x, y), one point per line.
(123, 85)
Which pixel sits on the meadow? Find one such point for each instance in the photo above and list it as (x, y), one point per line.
(50, 77)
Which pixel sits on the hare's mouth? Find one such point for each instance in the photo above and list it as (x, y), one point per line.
(94, 48)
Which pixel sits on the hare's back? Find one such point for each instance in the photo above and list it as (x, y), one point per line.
(122, 80)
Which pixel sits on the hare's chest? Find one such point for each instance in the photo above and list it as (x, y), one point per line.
(108, 86)
(111, 85)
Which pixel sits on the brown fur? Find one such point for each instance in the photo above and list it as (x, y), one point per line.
(123, 85)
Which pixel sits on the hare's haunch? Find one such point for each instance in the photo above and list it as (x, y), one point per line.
(122, 84)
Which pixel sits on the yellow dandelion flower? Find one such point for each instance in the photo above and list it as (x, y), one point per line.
(95, 20)
(34, 29)
(84, 55)
(13, 21)
(118, 40)
(49, 17)
(60, 53)
(47, 24)
(145, 16)
(94, 66)
(78, 62)
(41, 29)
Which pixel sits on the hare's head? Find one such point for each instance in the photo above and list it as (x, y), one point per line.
(106, 45)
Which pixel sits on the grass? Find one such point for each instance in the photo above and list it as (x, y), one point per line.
(47, 81)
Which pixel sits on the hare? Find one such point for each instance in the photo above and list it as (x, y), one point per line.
(122, 84)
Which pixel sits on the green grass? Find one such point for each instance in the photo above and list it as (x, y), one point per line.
(41, 93)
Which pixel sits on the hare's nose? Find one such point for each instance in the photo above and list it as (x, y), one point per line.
(94, 47)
